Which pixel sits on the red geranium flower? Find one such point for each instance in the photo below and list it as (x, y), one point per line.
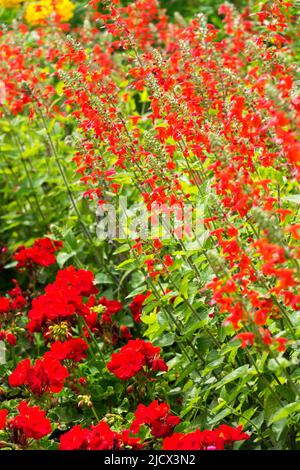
(73, 349)
(75, 439)
(126, 363)
(99, 437)
(31, 421)
(3, 417)
(41, 253)
(4, 304)
(157, 416)
(133, 357)
(46, 375)
(136, 306)
(198, 440)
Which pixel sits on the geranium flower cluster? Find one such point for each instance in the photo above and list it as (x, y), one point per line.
(45, 375)
(218, 439)
(102, 321)
(99, 437)
(15, 301)
(41, 253)
(74, 350)
(62, 299)
(30, 423)
(136, 356)
(10, 308)
(157, 416)
(161, 422)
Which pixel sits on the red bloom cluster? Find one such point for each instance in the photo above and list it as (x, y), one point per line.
(3, 417)
(73, 349)
(4, 305)
(62, 299)
(157, 417)
(133, 357)
(99, 437)
(15, 301)
(9, 337)
(136, 306)
(30, 423)
(41, 253)
(18, 301)
(111, 308)
(46, 375)
(205, 440)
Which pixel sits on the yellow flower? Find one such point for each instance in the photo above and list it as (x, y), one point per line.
(65, 9)
(38, 11)
(10, 3)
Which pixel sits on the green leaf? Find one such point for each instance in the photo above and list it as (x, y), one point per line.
(286, 411)
(166, 340)
(234, 375)
(103, 278)
(62, 258)
(127, 264)
(270, 407)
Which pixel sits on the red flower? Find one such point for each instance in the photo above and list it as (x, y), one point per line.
(102, 437)
(168, 260)
(133, 357)
(126, 363)
(125, 333)
(3, 417)
(11, 339)
(247, 339)
(75, 439)
(198, 440)
(62, 299)
(73, 349)
(205, 440)
(136, 306)
(18, 302)
(4, 304)
(281, 344)
(230, 434)
(99, 437)
(47, 375)
(132, 442)
(157, 416)
(80, 279)
(112, 307)
(41, 253)
(19, 375)
(31, 421)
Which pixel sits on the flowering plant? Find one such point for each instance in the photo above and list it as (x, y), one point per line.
(178, 329)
